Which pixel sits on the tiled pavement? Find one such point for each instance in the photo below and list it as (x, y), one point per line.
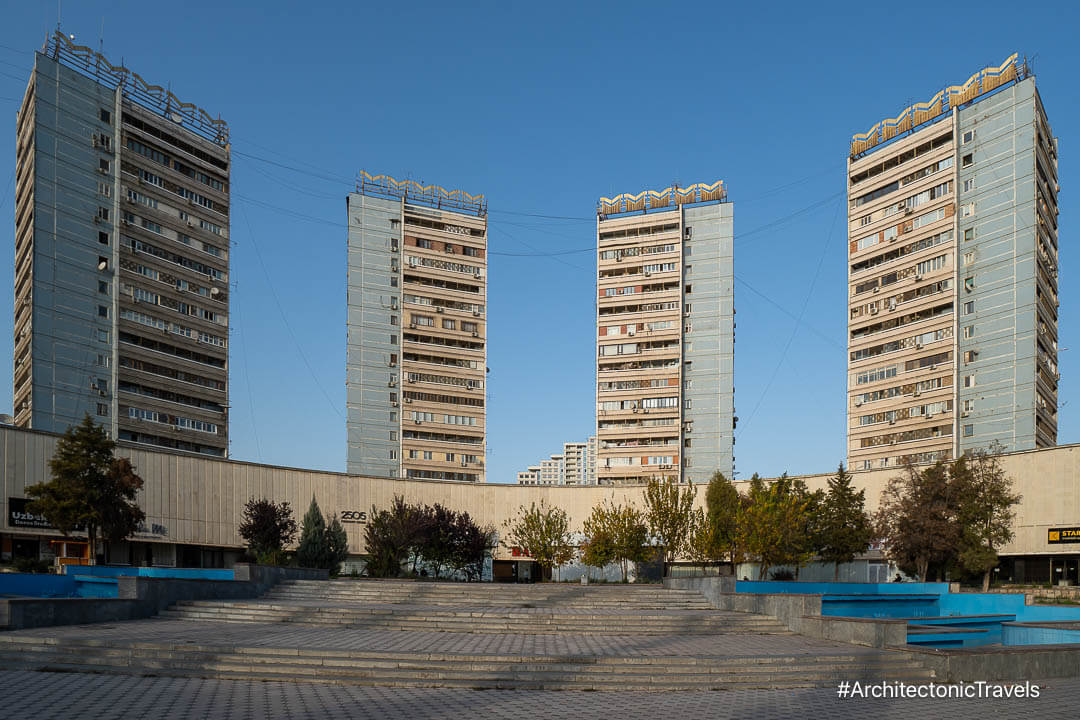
(282, 635)
(43, 696)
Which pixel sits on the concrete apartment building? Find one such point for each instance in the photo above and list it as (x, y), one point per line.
(417, 328)
(953, 275)
(121, 256)
(665, 335)
(575, 466)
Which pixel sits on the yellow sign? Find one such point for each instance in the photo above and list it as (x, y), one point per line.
(1058, 536)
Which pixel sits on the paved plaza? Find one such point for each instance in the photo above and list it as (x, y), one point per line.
(61, 696)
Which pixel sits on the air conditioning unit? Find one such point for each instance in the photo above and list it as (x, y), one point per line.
(475, 334)
(618, 258)
(645, 410)
(892, 421)
(464, 463)
(418, 421)
(101, 170)
(635, 409)
(476, 313)
(391, 363)
(873, 309)
(392, 383)
(908, 211)
(687, 313)
(408, 400)
(918, 346)
(916, 393)
(393, 403)
(477, 274)
(97, 219)
(876, 289)
(449, 249)
(412, 326)
(412, 262)
(964, 414)
(918, 277)
(439, 310)
(648, 274)
(858, 403)
(190, 224)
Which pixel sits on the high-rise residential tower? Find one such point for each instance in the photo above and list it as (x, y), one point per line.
(417, 328)
(952, 211)
(575, 466)
(121, 256)
(665, 335)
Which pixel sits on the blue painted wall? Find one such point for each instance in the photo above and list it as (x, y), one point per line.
(109, 571)
(34, 585)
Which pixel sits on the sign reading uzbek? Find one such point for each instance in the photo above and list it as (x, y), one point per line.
(18, 517)
(1058, 536)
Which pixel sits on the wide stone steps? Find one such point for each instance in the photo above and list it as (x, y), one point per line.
(432, 593)
(452, 670)
(506, 628)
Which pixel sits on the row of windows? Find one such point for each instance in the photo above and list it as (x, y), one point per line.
(637, 384)
(439, 302)
(881, 192)
(914, 247)
(163, 159)
(643, 307)
(651, 403)
(449, 457)
(193, 265)
(438, 283)
(937, 431)
(922, 268)
(440, 360)
(446, 342)
(172, 373)
(638, 422)
(184, 308)
(410, 396)
(908, 389)
(414, 260)
(445, 380)
(638, 232)
(890, 303)
(175, 420)
(414, 474)
(612, 330)
(154, 322)
(635, 348)
(889, 233)
(893, 323)
(895, 345)
(898, 160)
(442, 437)
(908, 204)
(170, 396)
(927, 410)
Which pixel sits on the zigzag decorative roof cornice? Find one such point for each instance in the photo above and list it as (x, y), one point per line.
(430, 195)
(152, 97)
(981, 82)
(655, 199)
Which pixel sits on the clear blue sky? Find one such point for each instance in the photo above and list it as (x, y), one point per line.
(544, 107)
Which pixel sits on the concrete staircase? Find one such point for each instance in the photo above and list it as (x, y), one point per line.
(661, 673)
(413, 634)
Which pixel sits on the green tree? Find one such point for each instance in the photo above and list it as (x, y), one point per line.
(985, 509)
(703, 546)
(90, 489)
(337, 544)
(776, 525)
(846, 529)
(616, 533)
(724, 512)
(669, 512)
(917, 519)
(544, 533)
(391, 535)
(267, 527)
(314, 547)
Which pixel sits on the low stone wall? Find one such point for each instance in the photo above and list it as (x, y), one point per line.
(800, 613)
(1010, 664)
(141, 597)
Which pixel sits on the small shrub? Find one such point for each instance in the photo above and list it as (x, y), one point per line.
(782, 575)
(31, 565)
(275, 558)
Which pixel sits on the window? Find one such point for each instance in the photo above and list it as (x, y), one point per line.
(393, 319)
(393, 281)
(687, 404)
(103, 311)
(969, 185)
(393, 434)
(393, 339)
(104, 189)
(687, 269)
(423, 320)
(969, 430)
(967, 210)
(468, 326)
(971, 355)
(969, 331)
(969, 258)
(103, 237)
(967, 161)
(103, 410)
(427, 455)
(450, 457)
(103, 336)
(968, 137)
(103, 165)
(969, 234)
(393, 359)
(689, 289)
(103, 287)
(969, 307)
(102, 360)
(969, 405)
(426, 244)
(393, 397)
(393, 454)
(105, 115)
(103, 213)
(451, 324)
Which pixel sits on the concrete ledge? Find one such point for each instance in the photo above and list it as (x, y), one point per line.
(141, 597)
(798, 612)
(1033, 662)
